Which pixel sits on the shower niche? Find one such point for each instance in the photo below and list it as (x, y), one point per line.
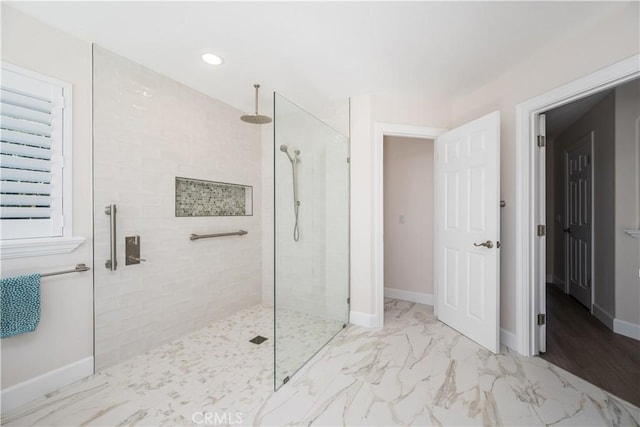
(197, 197)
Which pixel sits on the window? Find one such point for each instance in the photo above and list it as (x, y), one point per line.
(35, 164)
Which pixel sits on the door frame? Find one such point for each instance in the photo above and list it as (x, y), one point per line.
(529, 182)
(380, 131)
(565, 159)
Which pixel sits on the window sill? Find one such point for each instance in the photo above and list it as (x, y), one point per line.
(39, 247)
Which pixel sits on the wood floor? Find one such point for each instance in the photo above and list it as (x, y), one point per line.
(581, 344)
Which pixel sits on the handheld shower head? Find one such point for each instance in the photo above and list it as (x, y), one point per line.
(285, 150)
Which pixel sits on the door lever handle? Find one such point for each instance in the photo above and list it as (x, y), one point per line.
(567, 230)
(135, 258)
(488, 244)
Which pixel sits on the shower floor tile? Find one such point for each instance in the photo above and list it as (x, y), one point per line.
(415, 371)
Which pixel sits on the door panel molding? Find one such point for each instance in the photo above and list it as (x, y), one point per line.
(476, 311)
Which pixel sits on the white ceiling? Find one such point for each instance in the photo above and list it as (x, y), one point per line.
(314, 52)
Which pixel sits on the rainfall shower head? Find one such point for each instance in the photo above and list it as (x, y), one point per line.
(256, 119)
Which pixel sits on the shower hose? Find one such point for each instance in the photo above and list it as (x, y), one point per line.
(296, 202)
(296, 231)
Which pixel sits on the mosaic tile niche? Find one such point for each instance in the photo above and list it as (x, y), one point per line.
(196, 197)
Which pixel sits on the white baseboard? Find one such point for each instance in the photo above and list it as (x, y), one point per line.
(364, 319)
(549, 278)
(603, 316)
(417, 297)
(24, 392)
(508, 339)
(627, 329)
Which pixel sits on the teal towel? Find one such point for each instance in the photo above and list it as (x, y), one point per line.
(20, 304)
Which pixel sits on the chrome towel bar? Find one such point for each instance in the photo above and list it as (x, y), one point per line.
(79, 269)
(206, 236)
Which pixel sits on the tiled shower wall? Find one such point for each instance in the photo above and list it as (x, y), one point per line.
(320, 285)
(148, 129)
(312, 274)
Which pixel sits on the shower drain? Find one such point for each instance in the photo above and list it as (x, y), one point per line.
(258, 340)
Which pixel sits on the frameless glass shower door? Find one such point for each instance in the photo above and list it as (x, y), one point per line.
(311, 236)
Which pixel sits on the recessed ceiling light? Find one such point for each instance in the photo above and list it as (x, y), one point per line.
(212, 59)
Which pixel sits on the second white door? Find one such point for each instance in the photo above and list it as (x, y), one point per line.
(579, 220)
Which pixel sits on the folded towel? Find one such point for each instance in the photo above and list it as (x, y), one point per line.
(19, 304)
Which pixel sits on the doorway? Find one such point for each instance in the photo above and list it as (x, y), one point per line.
(530, 200)
(591, 196)
(466, 225)
(408, 219)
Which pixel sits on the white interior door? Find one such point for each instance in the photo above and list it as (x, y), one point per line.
(468, 230)
(578, 219)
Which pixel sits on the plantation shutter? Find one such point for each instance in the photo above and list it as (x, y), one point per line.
(31, 157)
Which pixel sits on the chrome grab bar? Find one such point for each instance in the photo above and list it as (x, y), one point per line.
(79, 269)
(206, 236)
(112, 263)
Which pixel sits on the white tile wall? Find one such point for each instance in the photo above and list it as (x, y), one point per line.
(148, 129)
(267, 215)
(312, 274)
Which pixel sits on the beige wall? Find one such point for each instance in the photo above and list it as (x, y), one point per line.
(600, 120)
(408, 191)
(65, 333)
(627, 201)
(583, 50)
(366, 111)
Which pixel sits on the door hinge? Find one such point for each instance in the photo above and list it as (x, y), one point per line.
(541, 140)
(542, 319)
(541, 230)
(348, 300)
(348, 159)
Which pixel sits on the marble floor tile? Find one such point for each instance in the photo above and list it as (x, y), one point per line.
(414, 371)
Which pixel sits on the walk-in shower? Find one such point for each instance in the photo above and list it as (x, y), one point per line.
(294, 178)
(208, 174)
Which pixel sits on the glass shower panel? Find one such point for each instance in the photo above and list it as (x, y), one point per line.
(311, 236)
